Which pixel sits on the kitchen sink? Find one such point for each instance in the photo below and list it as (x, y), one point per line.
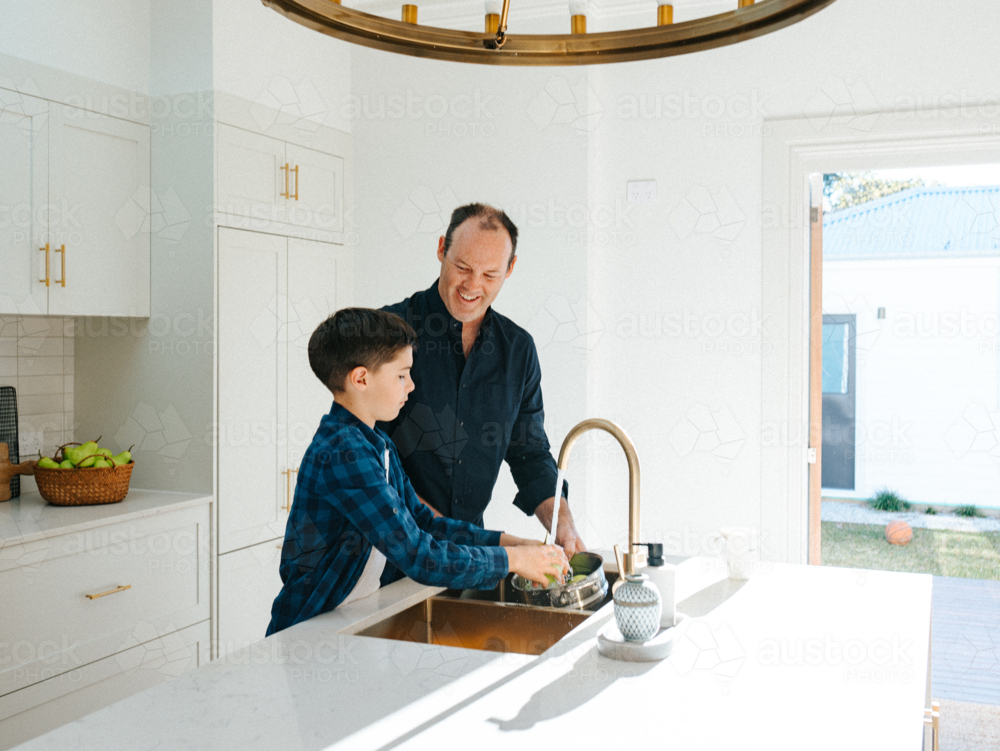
(486, 620)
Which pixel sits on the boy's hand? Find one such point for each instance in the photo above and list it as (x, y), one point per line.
(535, 561)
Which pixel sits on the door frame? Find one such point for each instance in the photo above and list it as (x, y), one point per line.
(793, 149)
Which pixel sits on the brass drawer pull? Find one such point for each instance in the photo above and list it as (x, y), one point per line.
(45, 250)
(296, 171)
(61, 250)
(120, 588)
(285, 168)
(288, 488)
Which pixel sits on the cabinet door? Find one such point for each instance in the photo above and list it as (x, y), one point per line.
(248, 583)
(252, 356)
(317, 190)
(319, 283)
(99, 193)
(251, 178)
(23, 193)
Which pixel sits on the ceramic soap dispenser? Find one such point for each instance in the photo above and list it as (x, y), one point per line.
(637, 608)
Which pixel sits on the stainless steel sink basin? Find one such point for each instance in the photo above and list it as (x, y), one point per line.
(485, 620)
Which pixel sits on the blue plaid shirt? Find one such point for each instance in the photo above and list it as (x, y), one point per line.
(345, 503)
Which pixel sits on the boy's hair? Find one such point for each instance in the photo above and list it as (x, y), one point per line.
(356, 337)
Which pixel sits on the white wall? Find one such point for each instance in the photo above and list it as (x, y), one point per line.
(691, 399)
(103, 40)
(927, 375)
(263, 57)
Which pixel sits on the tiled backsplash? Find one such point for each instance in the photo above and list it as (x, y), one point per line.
(36, 358)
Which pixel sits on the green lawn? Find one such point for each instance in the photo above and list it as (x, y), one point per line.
(942, 552)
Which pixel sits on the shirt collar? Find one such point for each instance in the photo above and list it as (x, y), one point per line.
(436, 304)
(344, 416)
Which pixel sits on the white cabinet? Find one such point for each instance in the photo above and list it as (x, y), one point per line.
(267, 184)
(252, 357)
(24, 189)
(74, 211)
(273, 291)
(248, 583)
(99, 188)
(98, 614)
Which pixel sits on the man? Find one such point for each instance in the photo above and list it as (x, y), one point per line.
(478, 396)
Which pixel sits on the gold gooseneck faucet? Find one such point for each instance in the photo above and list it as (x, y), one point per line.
(634, 554)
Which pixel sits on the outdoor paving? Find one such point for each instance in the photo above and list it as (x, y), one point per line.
(966, 640)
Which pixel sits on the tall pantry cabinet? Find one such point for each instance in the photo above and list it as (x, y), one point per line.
(274, 287)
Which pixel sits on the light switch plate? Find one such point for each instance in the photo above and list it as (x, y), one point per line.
(640, 191)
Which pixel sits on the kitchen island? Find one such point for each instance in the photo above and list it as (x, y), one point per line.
(796, 657)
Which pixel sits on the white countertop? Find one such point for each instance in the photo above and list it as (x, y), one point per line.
(31, 517)
(836, 679)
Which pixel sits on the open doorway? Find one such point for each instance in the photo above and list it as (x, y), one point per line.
(909, 393)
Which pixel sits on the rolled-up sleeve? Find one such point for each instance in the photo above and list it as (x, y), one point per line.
(530, 459)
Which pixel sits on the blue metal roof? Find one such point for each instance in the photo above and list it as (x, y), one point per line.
(929, 222)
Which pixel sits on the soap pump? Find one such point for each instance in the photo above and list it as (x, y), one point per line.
(663, 576)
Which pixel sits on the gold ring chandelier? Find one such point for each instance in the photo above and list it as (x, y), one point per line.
(496, 47)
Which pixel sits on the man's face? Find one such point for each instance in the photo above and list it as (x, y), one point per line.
(474, 269)
(389, 386)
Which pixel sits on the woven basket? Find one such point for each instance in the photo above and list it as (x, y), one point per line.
(83, 487)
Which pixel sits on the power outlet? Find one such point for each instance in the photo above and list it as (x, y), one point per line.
(641, 191)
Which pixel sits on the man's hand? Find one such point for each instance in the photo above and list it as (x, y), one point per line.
(566, 534)
(535, 561)
(434, 510)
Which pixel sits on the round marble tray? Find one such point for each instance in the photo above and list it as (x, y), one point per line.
(611, 643)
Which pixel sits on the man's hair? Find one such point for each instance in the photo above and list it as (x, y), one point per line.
(356, 337)
(489, 218)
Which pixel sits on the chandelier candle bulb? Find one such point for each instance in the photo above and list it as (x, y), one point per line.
(578, 16)
(664, 14)
(493, 9)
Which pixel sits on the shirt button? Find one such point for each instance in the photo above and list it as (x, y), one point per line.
(461, 424)
(395, 511)
(459, 461)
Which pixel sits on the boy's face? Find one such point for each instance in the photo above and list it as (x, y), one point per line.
(389, 386)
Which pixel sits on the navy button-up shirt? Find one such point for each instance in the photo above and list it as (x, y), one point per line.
(466, 416)
(348, 499)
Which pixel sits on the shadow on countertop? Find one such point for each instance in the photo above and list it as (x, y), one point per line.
(590, 675)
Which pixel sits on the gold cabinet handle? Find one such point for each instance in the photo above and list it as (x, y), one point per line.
(286, 171)
(120, 588)
(932, 717)
(45, 250)
(288, 488)
(61, 250)
(296, 196)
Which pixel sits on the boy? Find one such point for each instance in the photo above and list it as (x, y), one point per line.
(356, 523)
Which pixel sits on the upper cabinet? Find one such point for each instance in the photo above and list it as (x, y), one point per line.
(268, 184)
(24, 189)
(75, 186)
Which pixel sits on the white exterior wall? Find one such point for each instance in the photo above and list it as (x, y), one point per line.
(928, 376)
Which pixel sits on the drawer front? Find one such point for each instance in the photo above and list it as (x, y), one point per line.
(35, 710)
(143, 577)
(248, 583)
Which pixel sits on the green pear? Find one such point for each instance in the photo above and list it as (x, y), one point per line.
(90, 447)
(106, 453)
(65, 464)
(47, 463)
(73, 454)
(102, 463)
(123, 458)
(89, 461)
